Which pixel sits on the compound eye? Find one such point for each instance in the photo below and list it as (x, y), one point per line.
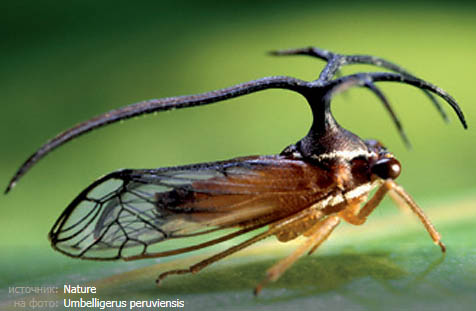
(386, 168)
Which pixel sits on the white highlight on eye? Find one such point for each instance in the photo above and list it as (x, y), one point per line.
(344, 154)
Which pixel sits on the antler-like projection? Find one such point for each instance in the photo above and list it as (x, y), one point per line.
(316, 92)
(336, 61)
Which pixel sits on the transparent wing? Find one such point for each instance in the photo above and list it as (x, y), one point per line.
(125, 213)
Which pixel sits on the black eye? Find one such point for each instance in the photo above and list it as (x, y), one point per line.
(386, 168)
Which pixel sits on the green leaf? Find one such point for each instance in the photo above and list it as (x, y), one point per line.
(388, 263)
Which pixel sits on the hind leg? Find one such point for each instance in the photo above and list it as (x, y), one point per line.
(318, 234)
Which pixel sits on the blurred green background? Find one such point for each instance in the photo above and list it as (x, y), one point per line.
(64, 62)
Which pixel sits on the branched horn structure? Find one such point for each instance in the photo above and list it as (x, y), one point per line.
(318, 92)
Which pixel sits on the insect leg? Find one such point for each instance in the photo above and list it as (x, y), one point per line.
(399, 202)
(278, 226)
(320, 232)
(326, 227)
(353, 217)
(204, 263)
(398, 192)
(400, 196)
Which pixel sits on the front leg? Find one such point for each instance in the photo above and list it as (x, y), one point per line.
(351, 213)
(398, 194)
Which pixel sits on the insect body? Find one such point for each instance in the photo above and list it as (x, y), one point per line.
(306, 190)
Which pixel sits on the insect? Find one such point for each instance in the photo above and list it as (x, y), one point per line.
(306, 190)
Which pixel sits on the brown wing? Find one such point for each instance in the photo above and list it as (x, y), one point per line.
(127, 213)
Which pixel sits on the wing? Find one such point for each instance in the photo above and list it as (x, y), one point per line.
(132, 214)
